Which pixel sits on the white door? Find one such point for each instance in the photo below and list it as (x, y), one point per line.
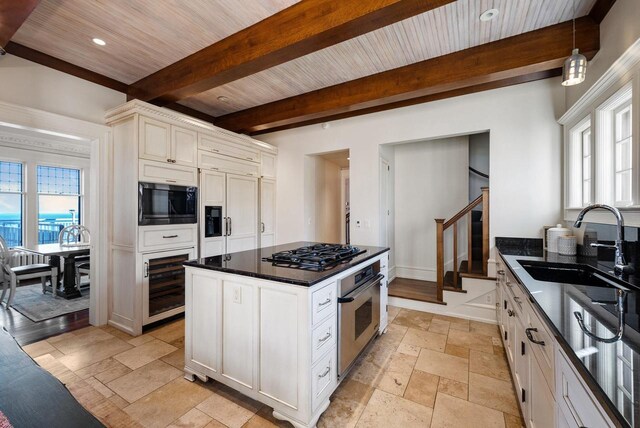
(242, 213)
(212, 194)
(184, 146)
(155, 140)
(267, 213)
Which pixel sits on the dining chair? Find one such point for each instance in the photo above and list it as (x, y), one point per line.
(13, 272)
(75, 235)
(82, 269)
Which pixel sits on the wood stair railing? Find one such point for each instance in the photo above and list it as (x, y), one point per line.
(442, 225)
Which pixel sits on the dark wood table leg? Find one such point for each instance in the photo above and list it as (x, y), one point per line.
(54, 261)
(69, 290)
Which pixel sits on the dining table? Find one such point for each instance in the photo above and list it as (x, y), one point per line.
(55, 252)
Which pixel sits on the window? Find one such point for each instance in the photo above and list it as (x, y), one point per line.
(11, 186)
(581, 165)
(623, 154)
(59, 201)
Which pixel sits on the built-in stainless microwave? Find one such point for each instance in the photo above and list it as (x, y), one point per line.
(166, 204)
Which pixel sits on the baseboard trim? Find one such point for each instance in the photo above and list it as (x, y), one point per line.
(421, 274)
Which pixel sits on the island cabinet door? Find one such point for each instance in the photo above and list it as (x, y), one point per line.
(203, 322)
(281, 327)
(238, 332)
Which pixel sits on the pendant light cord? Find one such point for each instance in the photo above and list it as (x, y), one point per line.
(573, 3)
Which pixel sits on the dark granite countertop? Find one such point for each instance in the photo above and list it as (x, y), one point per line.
(610, 369)
(250, 263)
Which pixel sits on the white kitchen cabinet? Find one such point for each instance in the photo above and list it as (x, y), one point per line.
(550, 392)
(237, 197)
(154, 140)
(268, 165)
(184, 146)
(224, 147)
(384, 293)
(267, 212)
(541, 406)
(162, 142)
(156, 145)
(155, 172)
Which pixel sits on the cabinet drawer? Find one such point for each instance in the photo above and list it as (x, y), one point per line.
(219, 163)
(219, 146)
(323, 379)
(573, 399)
(160, 237)
(268, 164)
(323, 303)
(543, 353)
(157, 172)
(323, 338)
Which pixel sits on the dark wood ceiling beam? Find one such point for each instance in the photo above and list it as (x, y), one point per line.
(12, 14)
(301, 29)
(419, 100)
(63, 66)
(600, 10)
(525, 54)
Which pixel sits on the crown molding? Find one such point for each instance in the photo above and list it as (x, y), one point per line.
(171, 116)
(44, 145)
(627, 62)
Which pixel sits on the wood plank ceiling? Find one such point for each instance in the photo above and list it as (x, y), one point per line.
(145, 36)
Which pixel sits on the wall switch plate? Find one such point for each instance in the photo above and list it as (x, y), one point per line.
(237, 295)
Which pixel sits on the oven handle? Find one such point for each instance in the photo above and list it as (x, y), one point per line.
(362, 289)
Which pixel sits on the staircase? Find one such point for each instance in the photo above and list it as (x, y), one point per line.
(477, 223)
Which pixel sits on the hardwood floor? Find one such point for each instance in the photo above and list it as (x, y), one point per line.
(26, 331)
(424, 291)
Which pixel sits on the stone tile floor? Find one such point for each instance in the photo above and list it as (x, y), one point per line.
(427, 370)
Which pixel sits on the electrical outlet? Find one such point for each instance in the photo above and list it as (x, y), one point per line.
(357, 223)
(489, 299)
(237, 295)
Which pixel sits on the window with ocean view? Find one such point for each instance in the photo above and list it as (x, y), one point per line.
(11, 184)
(59, 201)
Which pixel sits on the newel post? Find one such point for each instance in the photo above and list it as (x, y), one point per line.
(440, 256)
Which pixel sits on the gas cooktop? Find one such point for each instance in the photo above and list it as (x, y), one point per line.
(318, 257)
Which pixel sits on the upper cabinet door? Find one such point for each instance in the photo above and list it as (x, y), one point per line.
(268, 165)
(154, 140)
(184, 146)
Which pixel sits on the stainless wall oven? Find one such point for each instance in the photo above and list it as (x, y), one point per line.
(166, 204)
(358, 314)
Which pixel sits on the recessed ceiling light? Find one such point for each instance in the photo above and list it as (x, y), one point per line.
(99, 42)
(488, 15)
(223, 99)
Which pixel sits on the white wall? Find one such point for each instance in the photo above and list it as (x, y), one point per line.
(618, 31)
(431, 181)
(388, 153)
(28, 84)
(525, 156)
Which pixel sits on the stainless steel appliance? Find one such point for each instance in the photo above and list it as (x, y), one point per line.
(358, 314)
(166, 204)
(316, 257)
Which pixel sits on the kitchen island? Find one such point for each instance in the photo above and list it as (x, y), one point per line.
(272, 330)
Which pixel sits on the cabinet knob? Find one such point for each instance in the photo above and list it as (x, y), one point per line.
(169, 160)
(511, 313)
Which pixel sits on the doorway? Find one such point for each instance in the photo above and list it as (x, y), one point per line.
(46, 145)
(327, 197)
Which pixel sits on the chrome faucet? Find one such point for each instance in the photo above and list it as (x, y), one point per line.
(621, 266)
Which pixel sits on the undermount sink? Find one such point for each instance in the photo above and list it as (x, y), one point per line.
(568, 274)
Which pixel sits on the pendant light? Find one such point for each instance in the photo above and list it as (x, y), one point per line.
(575, 67)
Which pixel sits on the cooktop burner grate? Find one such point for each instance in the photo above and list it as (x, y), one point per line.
(317, 257)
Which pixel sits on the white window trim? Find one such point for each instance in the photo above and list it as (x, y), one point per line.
(22, 194)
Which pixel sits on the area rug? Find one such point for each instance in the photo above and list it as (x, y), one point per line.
(31, 303)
